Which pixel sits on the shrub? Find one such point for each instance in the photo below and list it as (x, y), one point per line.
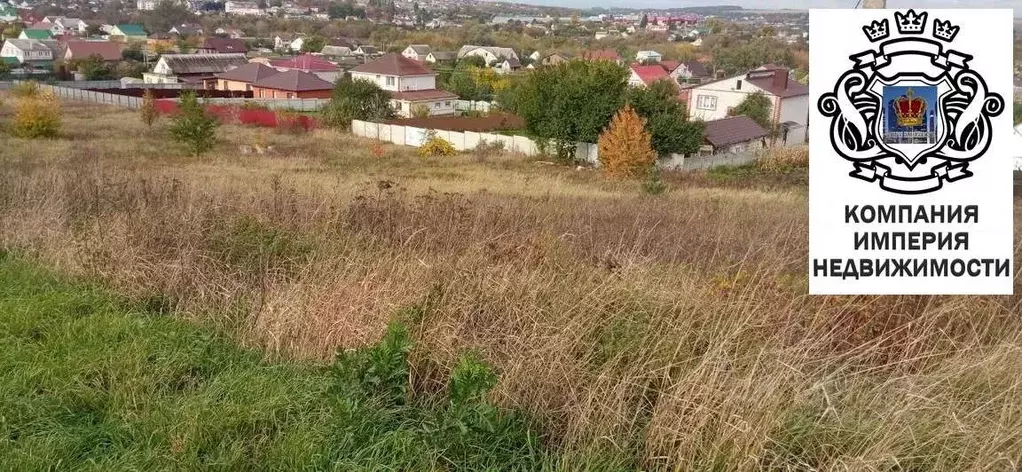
(356, 100)
(36, 116)
(289, 121)
(436, 146)
(488, 148)
(625, 149)
(25, 89)
(420, 111)
(148, 110)
(783, 159)
(653, 184)
(193, 127)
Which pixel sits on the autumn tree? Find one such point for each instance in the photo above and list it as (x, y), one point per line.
(625, 149)
(36, 116)
(148, 110)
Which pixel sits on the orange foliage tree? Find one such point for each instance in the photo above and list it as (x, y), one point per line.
(625, 149)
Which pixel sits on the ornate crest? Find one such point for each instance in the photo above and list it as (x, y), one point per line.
(911, 113)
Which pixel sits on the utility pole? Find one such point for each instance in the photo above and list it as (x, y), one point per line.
(874, 4)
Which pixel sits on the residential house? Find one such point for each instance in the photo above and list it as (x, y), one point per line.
(241, 78)
(441, 56)
(648, 56)
(161, 42)
(36, 34)
(232, 33)
(535, 56)
(417, 52)
(72, 26)
(315, 65)
(733, 135)
(509, 66)
(282, 41)
(691, 72)
(410, 84)
(108, 51)
(243, 9)
(222, 46)
(192, 68)
(31, 51)
(297, 44)
(129, 33)
(489, 54)
(366, 50)
(8, 14)
(292, 84)
(644, 75)
(789, 100)
(53, 28)
(602, 55)
(186, 30)
(146, 5)
(556, 58)
(336, 51)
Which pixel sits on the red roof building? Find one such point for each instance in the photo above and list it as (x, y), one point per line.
(241, 78)
(292, 84)
(642, 76)
(108, 51)
(310, 63)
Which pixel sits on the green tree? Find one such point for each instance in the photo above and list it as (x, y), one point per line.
(666, 119)
(5, 69)
(95, 68)
(756, 106)
(644, 21)
(569, 102)
(313, 44)
(192, 126)
(356, 100)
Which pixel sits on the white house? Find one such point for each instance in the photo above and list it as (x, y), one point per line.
(643, 56)
(508, 66)
(488, 53)
(789, 100)
(72, 25)
(409, 83)
(26, 50)
(417, 52)
(297, 44)
(243, 8)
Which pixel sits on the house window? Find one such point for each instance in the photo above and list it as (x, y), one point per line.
(390, 81)
(290, 96)
(706, 102)
(436, 105)
(447, 104)
(738, 86)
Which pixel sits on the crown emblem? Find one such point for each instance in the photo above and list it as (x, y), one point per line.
(910, 22)
(909, 109)
(944, 30)
(877, 31)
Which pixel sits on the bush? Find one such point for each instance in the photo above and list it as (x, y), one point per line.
(193, 127)
(148, 110)
(783, 159)
(25, 89)
(625, 149)
(654, 185)
(289, 121)
(36, 116)
(356, 100)
(420, 111)
(436, 146)
(487, 148)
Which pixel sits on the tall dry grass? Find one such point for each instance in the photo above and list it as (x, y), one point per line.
(674, 330)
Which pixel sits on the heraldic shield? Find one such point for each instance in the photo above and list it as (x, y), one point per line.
(911, 114)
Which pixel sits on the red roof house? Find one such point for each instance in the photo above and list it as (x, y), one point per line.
(642, 76)
(109, 51)
(292, 84)
(310, 63)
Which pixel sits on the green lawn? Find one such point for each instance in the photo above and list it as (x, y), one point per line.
(89, 381)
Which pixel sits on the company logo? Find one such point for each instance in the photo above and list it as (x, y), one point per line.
(911, 113)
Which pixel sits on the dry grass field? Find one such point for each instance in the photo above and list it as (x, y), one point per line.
(668, 332)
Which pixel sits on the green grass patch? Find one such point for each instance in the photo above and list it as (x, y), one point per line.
(91, 382)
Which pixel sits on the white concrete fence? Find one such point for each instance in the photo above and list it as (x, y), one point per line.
(69, 93)
(584, 152)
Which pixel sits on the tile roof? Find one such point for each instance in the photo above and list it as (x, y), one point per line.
(108, 50)
(602, 54)
(733, 130)
(669, 66)
(698, 69)
(777, 81)
(29, 44)
(649, 74)
(33, 33)
(294, 81)
(306, 62)
(416, 95)
(224, 45)
(251, 72)
(203, 63)
(394, 64)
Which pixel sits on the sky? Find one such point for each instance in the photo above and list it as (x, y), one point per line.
(774, 4)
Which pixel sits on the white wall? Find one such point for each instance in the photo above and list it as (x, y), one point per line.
(436, 107)
(416, 82)
(796, 109)
(728, 96)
